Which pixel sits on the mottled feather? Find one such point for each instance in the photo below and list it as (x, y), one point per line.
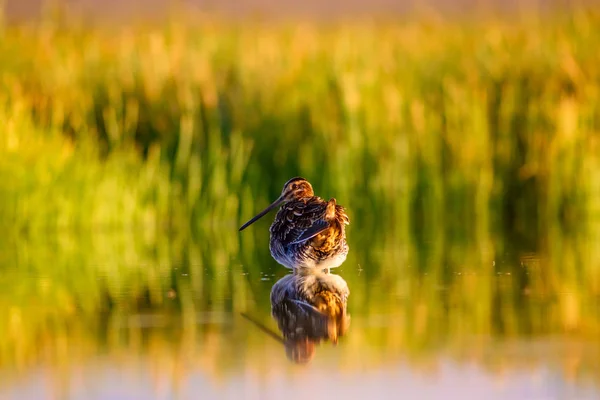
(311, 228)
(296, 217)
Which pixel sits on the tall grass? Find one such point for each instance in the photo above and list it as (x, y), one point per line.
(425, 122)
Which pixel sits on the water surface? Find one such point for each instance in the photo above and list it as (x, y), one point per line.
(133, 315)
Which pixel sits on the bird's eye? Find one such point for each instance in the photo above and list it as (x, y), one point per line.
(294, 186)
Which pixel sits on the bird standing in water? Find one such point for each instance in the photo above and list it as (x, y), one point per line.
(308, 232)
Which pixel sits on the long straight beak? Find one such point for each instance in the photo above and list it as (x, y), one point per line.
(274, 204)
(263, 328)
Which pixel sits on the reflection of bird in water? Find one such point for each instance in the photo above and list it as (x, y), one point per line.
(309, 306)
(307, 231)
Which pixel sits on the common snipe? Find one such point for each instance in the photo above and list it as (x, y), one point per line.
(308, 232)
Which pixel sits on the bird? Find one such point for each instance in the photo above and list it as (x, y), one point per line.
(309, 306)
(308, 231)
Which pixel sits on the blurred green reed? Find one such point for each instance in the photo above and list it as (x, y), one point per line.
(427, 123)
(449, 142)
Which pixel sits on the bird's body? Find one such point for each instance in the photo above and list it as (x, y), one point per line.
(327, 249)
(308, 231)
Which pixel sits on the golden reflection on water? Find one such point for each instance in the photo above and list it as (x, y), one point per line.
(310, 307)
(156, 318)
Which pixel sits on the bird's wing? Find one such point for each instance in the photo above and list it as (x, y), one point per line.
(316, 228)
(298, 221)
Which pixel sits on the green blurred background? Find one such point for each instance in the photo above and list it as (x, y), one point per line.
(465, 148)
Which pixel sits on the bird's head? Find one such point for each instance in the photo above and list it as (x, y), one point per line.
(294, 189)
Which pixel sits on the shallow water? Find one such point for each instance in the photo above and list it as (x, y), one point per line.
(132, 315)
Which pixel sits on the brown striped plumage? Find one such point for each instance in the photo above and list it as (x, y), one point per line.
(307, 231)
